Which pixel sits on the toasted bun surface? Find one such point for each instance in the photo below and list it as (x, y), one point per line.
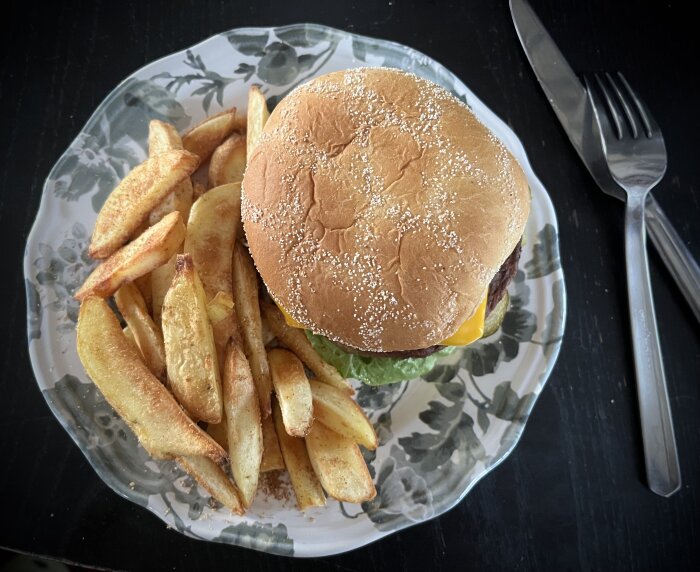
(377, 208)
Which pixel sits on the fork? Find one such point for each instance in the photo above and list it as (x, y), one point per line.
(636, 156)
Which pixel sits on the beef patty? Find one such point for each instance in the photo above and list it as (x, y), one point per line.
(497, 289)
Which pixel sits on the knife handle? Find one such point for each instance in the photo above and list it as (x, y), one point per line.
(674, 253)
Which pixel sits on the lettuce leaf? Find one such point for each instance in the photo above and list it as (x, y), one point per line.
(374, 370)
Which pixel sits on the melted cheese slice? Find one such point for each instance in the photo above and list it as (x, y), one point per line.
(470, 331)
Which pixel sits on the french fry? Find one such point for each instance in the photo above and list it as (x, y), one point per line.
(190, 352)
(146, 334)
(161, 279)
(339, 465)
(143, 283)
(220, 307)
(149, 251)
(218, 432)
(305, 483)
(198, 189)
(163, 137)
(160, 424)
(245, 440)
(215, 221)
(129, 335)
(206, 136)
(214, 480)
(296, 340)
(245, 295)
(257, 117)
(227, 163)
(292, 390)
(336, 410)
(135, 197)
(268, 335)
(272, 455)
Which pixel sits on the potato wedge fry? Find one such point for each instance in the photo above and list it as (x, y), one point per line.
(245, 295)
(190, 352)
(214, 480)
(220, 307)
(305, 483)
(257, 117)
(203, 138)
(336, 410)
(129, 335)
(160, 424)
(143, 283)
(135, 197)
(268, 335)
(163, 137)
(215, 221)
(149, 251)
(219, 432)
(198, 189)
(146, 334)
(296, 340)
(161, 279)
(339, 465)
(272, 455)
(180, 199)
(245, 440)
(227, 163)
(292, 390)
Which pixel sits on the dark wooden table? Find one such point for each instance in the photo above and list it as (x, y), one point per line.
(572, 495)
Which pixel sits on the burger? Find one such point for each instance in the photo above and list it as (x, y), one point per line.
(384, 219)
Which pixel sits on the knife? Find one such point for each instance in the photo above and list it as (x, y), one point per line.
(569, 100)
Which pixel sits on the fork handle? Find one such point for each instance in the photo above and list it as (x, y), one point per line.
(675, 254)
(661, 457)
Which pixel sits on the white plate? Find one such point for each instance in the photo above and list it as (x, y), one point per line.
(438, 435)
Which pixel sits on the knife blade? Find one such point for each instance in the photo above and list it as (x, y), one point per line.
(572, 107)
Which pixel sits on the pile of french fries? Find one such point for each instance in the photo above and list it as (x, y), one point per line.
(202, 366)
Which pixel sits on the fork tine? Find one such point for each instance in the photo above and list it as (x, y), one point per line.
(601, 116)
(646, 117)
(612, 109)
(623, 102)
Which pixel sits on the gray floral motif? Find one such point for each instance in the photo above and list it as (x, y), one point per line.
(248, 42)
(155, 103)
(212, 83)
(359, 50)
(35, 311)
(545, 254)
(504, 404)
(92, 164)
(381, 398)
(279, 63)
(265, 537)
(375, 397)
(452, 447)
(61, 271)
(403, 496)
(553, 330)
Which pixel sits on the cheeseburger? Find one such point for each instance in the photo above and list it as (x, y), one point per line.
(384, 218)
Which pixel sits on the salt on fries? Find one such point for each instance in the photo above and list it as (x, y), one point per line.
(199, 336)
